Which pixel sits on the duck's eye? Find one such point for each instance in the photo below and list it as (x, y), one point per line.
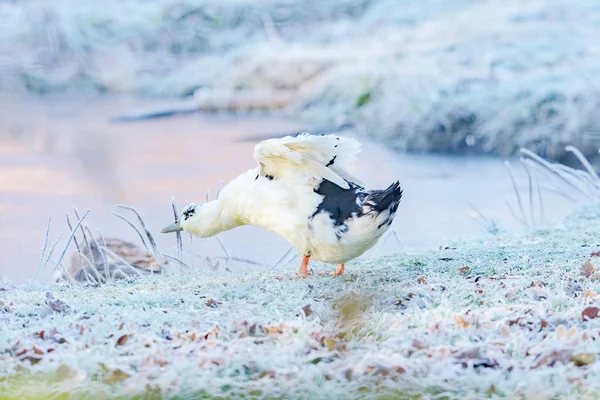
(188, 212)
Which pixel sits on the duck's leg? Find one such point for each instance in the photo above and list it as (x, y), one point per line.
(339, 270)
(303, 267)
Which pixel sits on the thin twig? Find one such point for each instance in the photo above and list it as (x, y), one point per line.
(287, 253)
(156, 251)
(395, 234)
(39, 268)
(584, 161)
(550, 168)
(51, 251)
(516, 189)
(477, 212)
(513, 211)
(132, 267)
(537, 184)
(74, 239)
(241, 259)
(192, 252)
(530, 186)
(104, 258)
(559, 192)
(177, 260)
(223, 246)
(92, 269)
(178, 233)
(134, 227)
(219, 188)
(58, 263)
(85, 239)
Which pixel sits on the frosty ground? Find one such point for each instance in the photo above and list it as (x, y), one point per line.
(508, 315)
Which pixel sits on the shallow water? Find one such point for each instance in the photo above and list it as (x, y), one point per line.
(56, 153)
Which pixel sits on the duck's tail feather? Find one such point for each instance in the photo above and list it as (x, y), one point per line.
(387, 199)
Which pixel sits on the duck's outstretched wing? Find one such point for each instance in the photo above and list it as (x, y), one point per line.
(310, 156)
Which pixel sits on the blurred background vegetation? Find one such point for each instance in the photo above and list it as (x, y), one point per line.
(456, 76)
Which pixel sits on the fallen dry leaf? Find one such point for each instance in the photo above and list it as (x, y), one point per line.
(273, 329)
(417, 344)
(116, 376)
(421, 280)
(563, 356)
(464, 270)
(122, 340)
(590, 313)
(55, 305)
(384, 370)
(330, 343)
(212, 303)
(587, 269)
(461, 322)
(307, 310)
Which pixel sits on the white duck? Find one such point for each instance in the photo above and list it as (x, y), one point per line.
(303, 192)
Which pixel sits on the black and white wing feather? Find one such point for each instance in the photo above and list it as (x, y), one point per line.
(307, 156)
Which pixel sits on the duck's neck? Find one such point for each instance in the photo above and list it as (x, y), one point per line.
(212, 218)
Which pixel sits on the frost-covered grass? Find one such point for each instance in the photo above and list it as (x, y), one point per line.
(424, 75)
(497, 317)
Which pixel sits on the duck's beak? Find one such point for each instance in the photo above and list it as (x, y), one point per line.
(172, 228)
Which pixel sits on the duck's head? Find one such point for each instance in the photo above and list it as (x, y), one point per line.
(188, 213)
(197, 219)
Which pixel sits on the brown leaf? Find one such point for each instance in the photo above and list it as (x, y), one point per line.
(421, 280)
(563, 356)
(33, 360)
(37, 350)
(116, 376)
(122, 340)
(461, 322)
(330, 343)
(273, 329)
(464, 270)
(55, 305)
(307, 310)
(212, 303)
(590, 313)
(252, 330)
(587, 269)
(417, 344)
(384, 370)
(595, 254)
(160, 362)
(121, 325)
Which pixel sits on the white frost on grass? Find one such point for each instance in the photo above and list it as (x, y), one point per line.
(425, 75)
(417, 323)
